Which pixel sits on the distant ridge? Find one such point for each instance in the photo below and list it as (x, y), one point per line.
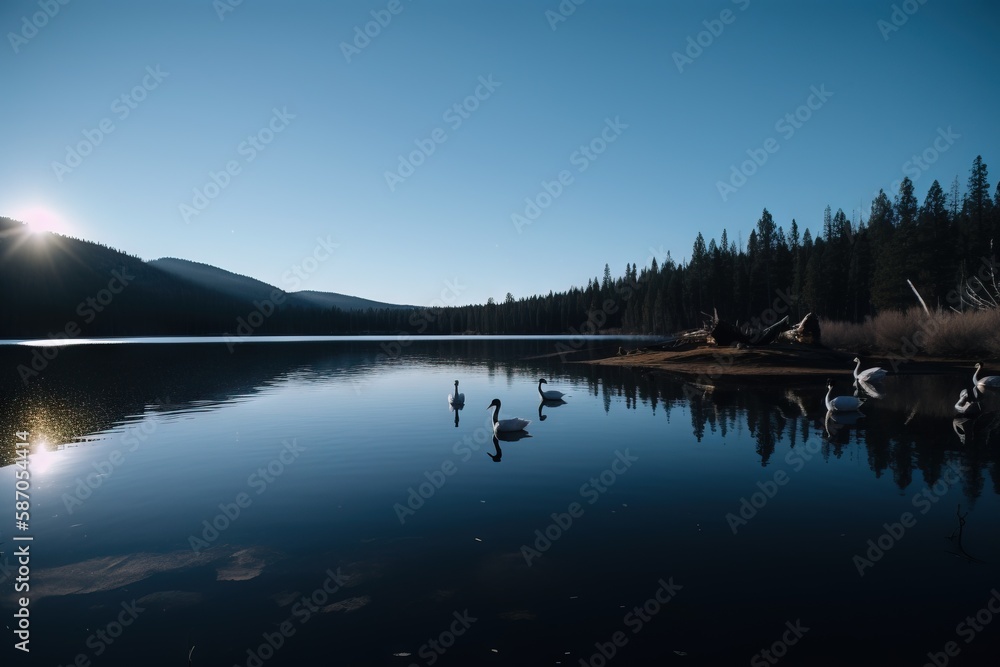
(342, 301)
(246, 288)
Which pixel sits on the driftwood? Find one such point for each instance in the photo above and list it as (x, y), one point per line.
(726, 334)
(770, 334)
(717, 331)
(806, 332)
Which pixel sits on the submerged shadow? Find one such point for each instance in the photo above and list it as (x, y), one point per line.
(956, 539)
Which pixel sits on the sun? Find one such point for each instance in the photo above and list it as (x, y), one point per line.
(41, 219)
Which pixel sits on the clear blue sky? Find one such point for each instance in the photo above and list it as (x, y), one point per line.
(324, 173)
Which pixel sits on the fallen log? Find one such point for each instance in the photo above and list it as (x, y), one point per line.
(806, 332)
(770, 334)
(725, 334)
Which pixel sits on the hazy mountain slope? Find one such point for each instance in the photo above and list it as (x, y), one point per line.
(342, 301)
(248, 288)
(212, 277)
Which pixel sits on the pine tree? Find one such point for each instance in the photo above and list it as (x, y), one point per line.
(933, 251)
(978, 207)
(902, 253)
(886, 277)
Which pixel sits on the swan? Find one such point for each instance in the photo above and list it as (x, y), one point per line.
(456, 398)
(841, 403)
(553, 395)
(505, 425)
(965, 406)
(868, 375)
(988, 381)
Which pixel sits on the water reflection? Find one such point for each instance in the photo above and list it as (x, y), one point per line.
(956, 538)
(548, 403)
(911, 425)
(497, 453)
(836, 423)
(868, 390)
(422, 524)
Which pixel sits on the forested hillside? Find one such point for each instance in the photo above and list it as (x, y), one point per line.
(846, 270)
(56, 286)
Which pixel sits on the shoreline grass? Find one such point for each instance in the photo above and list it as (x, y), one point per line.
(945, 333)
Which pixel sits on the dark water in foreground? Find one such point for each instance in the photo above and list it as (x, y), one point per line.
(316, 503)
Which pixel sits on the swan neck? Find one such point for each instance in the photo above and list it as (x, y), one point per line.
(496, 410)
(857, 368)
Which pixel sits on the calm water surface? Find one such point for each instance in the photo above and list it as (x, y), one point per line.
(320, 503)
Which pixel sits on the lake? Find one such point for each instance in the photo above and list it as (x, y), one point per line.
(319, 502)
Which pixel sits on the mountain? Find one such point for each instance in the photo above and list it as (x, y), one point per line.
(343, 301)
(214, 278)
(246, 288)
(56, 286)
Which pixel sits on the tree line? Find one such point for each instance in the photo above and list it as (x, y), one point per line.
(849, 270)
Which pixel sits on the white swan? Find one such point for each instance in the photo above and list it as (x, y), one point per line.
(841, 403)
(550, 395)
(456, 398)
(988, 381)
(868, 375)
(505, 425)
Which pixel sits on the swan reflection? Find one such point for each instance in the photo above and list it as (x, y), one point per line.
(506, 437)
(548, 403)
(511, 436)
(868, 389)
(835, 422)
